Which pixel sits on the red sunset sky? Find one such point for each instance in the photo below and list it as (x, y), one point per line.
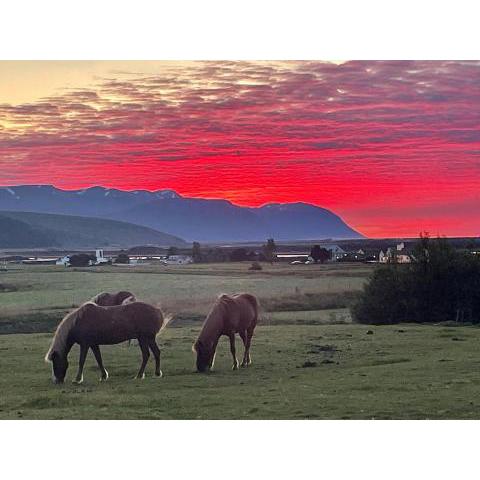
(392, 147)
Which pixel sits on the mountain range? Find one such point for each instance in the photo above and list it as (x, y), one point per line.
(191, 219)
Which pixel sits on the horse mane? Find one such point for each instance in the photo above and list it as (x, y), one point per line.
(217, 312)
(124, 296)
(69, 321)
(97, 297)
(129, 299)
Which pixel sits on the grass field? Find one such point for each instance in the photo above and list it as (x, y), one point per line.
(36, 297)
(309, 361)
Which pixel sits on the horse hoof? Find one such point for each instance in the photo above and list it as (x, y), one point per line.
(235, 367)
(140, 377)
(77, 382)
(159, 375)
(104, 378)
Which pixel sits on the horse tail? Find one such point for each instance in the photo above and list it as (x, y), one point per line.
(165, 319)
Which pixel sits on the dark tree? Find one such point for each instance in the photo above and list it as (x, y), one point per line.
(122, 258)
(319, 254)
(196, 252)
(239, 255)
(172, 251)
(269, 250)
(216, 255)
(81, 260)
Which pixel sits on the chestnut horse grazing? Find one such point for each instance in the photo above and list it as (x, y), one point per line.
(106, 299)
(91, 325)
(229, 315)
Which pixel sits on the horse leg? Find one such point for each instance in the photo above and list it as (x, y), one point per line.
(243, 335)
(98, 358)
(212, 360)
(247, 358)
(145, 356)
(156, 353)
(81, 363)
(231, 336)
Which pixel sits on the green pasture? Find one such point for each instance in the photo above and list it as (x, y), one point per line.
(309, 360)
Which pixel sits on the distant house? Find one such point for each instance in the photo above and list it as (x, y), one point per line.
(65, 261)
(399, 254)
(178, 260)
(100, 259)
(336, 252)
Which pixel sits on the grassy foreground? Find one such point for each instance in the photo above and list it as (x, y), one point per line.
(299, 372)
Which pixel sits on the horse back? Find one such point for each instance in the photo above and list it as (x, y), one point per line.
(110, 325)
(242, 312)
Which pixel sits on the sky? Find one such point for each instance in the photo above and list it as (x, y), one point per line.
(393, 147)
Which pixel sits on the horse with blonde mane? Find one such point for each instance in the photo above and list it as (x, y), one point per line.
(91, 325)
(228, 316)
(106, 299)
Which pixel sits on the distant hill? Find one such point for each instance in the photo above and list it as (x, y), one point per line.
(40, 230)
(198, 219)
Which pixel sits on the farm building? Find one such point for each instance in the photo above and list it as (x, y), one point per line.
(178, 260)
(336, 253)
(65, 261)
(39, 261)
(100, 259)
(399, 254)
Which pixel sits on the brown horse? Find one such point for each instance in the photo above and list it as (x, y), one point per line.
(229, 315)
(91, 325)
(106, 299)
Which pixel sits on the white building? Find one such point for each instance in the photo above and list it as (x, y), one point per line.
(100, 258)
(395, 255)
(178, 260)
(65, 261)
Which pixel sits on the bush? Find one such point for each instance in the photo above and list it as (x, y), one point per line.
(81, 260)
(238, 255)
(122, 258)
(441, 284)
(255, 266)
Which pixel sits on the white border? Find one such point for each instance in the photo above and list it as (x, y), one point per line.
(247, 29)
(260, 29)
(239, 450)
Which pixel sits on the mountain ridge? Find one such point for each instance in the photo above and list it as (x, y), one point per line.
(20, 229)
(190, 218)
